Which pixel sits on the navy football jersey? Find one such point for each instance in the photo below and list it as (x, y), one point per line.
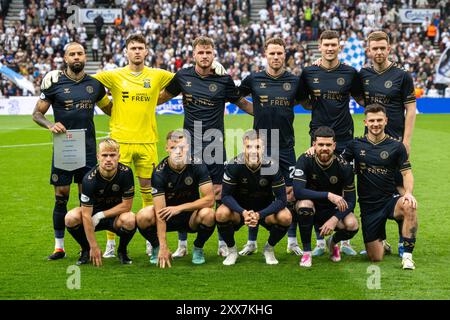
(337, 177)
(203, 99)
(329, 91)
(251, 188)
(273, 103)
(392, 88)
(376, 165)
(179, 187)
(104, 194)
(73, 105)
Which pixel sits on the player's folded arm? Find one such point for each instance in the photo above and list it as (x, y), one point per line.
(229, 200)
(302, 193)
(279, 190)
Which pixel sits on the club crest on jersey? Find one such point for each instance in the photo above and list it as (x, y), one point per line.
(340, 81)
(384, 155)
(188, 181)
(212, 87)
(115, 187)
(333, 179)
(147, 83)
(54, 177)
(263, 182)
(286, 86)
(89, 89)
(388, 84)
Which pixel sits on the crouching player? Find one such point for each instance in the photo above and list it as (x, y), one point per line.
(106, 201)
(253, 193)
(177, 204)
(324, 186)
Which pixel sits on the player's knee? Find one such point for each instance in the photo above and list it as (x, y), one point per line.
(207, 216)
(223, 214)
(71, 219)
(351, 224)
(284, 217)
(145, 217)
(128, 220)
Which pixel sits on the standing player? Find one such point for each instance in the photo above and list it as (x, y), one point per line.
(253, 193)
(388, 84)
(274, 92)
(178, 205)
(72, 98)
(328, 88)
(324, 184)
(204, 98)
(106, 201)
(378, 157)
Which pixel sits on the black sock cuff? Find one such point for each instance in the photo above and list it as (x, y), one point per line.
(201, 226)
(303, 211)
(61, 200)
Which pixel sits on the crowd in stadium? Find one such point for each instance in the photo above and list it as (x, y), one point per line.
(34, 45)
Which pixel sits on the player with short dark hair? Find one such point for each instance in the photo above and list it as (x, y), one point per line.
(386, 83)
(325, 189)
(377, 158)
(275, 93)
(178, 205)
(106, 201)
(253, 193)
(204, 97)
(328, 88)
(73, 99)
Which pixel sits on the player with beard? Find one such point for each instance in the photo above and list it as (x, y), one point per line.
(325, 189)
(73, 99)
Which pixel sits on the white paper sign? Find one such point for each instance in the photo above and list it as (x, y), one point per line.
(69, 150)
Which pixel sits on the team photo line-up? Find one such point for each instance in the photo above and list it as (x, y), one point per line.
(194, 189)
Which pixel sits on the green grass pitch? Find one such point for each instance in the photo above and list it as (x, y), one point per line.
(26, 235)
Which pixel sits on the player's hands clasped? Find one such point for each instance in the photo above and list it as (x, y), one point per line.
(251, 218)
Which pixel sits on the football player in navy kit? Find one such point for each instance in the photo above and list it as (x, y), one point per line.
(72, 99)
(386, 83)
(378, 157)
(178, 205)
(324, 185)
(253, 193)
(106, 201)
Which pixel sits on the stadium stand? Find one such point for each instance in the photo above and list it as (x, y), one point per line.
(33, 33)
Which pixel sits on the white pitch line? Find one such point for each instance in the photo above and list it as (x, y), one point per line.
(41, 144)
